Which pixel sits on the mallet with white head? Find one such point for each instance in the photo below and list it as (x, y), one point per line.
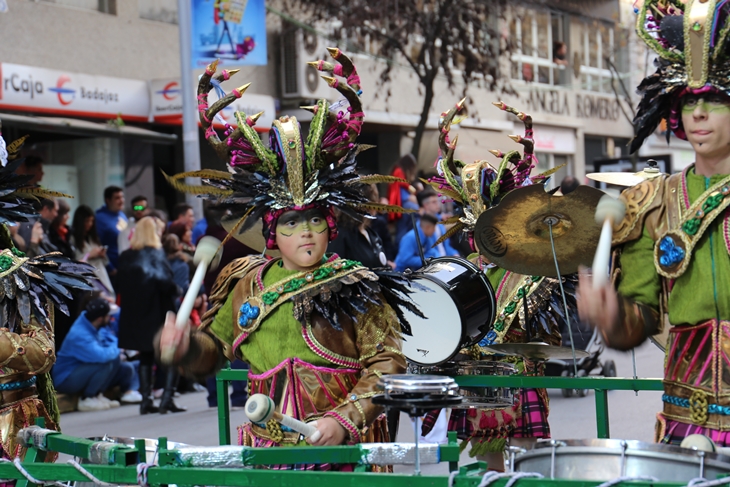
(206, 256)
(260, 408)
(609, 211)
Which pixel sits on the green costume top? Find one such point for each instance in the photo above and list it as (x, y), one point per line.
(276, 340)
(703, 292)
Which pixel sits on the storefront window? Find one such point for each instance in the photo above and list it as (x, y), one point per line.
(105, 6)
(540, 55)
(159, 10)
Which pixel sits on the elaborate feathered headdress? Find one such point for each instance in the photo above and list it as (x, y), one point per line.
(478, 186)
(691, 41)
(292, 173)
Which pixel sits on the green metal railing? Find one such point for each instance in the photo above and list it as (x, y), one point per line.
(601, 386)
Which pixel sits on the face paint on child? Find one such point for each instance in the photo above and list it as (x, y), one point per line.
(293, 223)
(302, 238)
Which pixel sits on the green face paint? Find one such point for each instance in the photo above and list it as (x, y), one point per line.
(297, 222)
(710, 103)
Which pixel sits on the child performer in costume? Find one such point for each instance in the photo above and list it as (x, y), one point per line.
(476, 188)
(30, 289)
(672, 246)
(317, 331)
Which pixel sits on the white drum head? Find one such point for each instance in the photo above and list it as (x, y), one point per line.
(437, 338)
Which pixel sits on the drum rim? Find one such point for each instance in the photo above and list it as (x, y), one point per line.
(633, 447)
(492, 294)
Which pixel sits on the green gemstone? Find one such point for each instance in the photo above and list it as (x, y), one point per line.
(292, 144)
(696, 27)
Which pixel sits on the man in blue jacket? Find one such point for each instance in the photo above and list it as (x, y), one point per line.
(88, 362)
(110, 222)
(429, 230)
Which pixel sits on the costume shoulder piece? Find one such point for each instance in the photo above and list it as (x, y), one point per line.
(31, 286)
(337, 287)
(227, 279)
(640, 201)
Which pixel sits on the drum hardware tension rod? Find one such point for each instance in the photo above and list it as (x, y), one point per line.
(417, 467)
(633, 358)
(549, 222)
(418, 240)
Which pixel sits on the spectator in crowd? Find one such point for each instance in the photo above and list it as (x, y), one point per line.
(139, 211)
(89, 363)
(183, 213)
(201, 225)
(429, 202)
(403, 194)
(58, 231)
(181, 263)
(185, 234)
(560, 53)
(147, 291)
(35, 234)
(358, 241)
(89, 249)
(110, 222)
(409, 256)
(33, 166)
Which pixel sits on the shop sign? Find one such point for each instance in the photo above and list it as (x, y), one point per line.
(43, 90)
(166, 100)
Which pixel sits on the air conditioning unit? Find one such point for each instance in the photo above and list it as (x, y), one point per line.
(298, 79)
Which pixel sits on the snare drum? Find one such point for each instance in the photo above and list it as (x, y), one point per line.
(476, 397)
(601, 460)
(417, 394)
(459, 307)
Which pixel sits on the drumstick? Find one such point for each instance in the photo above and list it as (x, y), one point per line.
(260, 408)
(608, 211)
(205, 254)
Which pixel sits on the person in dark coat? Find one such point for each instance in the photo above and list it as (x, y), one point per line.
(147, 292)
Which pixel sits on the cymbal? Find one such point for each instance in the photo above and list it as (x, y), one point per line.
(625, 178)
(537, 351)
(252, 238)
(515, 235)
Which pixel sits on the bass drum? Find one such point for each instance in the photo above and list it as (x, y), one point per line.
(459, 307)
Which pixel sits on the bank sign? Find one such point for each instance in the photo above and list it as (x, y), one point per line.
(39, 90)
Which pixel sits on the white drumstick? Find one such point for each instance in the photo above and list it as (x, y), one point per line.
(608, 211)
(206, 254)
(260, 408)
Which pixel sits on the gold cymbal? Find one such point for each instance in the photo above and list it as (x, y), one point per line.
(252, 238)
(536, 351)
(625, 178)
(515, 235)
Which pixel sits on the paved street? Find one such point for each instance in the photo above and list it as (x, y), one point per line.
(632, 416)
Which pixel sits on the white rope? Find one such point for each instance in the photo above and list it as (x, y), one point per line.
(695, 481)
(490, 477)
(88, 474)
(142, 474)
(522, 475)
(709, 483)
(452, 476)
(28, 476)
(618, 480)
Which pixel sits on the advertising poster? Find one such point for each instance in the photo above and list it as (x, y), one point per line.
(233, 31)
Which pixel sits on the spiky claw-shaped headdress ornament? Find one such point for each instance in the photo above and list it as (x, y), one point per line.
(478, 186)
(692, 43)
(262, 183)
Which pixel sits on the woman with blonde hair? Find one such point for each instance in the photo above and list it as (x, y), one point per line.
(147, 292)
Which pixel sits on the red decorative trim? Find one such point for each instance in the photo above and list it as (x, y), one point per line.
(347, 424)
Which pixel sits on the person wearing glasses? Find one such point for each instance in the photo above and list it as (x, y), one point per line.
(139, 211)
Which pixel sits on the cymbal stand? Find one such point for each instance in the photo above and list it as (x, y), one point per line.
(550, 222)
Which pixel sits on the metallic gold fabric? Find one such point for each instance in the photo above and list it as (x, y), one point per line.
(18, 415)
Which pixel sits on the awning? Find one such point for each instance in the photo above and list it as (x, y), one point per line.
(74, 126)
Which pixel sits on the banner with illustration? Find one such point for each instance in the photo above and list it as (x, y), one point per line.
(233, 31)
